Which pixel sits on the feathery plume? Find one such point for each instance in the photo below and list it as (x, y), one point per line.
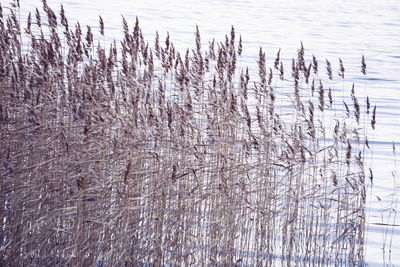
(315, 64)
(373, 121)
(329, 69)
(321, 97)
(341, 68)
(277, 59)
(101, 24)
(363, 66)
(240, 47)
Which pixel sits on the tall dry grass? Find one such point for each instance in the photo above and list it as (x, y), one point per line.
(128, 154)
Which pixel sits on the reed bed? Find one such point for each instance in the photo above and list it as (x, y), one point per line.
(138, 154)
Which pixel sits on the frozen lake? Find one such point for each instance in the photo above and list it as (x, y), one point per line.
(328, 29)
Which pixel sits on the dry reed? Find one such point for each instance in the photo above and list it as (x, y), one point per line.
(116, 157)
